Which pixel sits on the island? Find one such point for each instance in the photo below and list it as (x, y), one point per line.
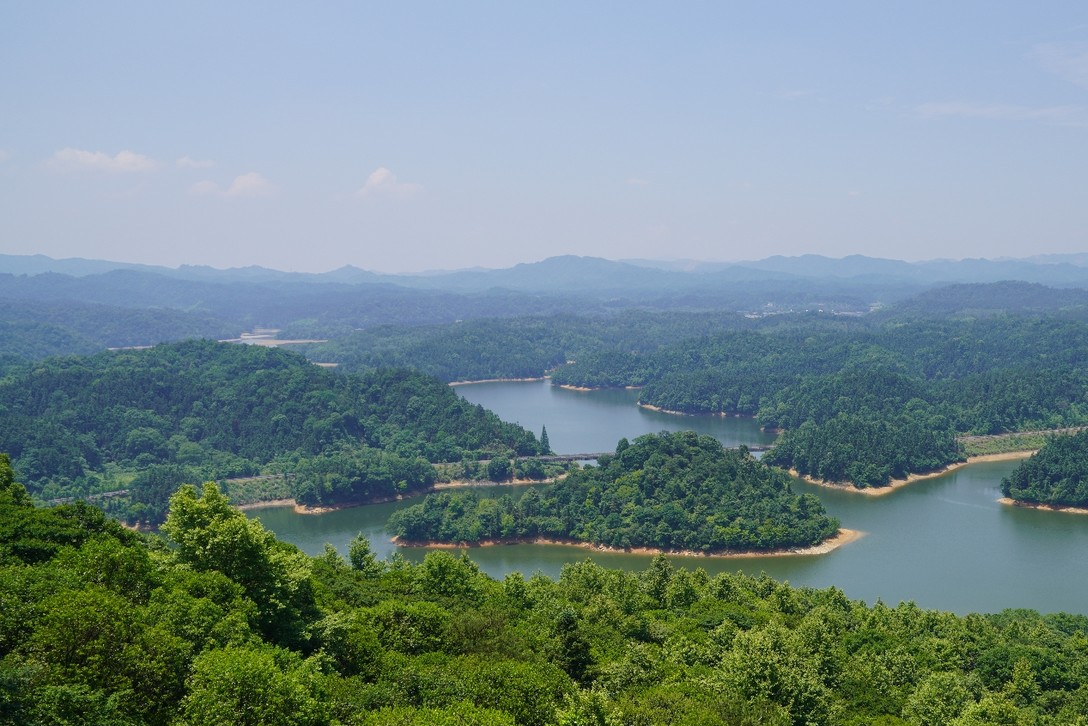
(668, 492)
(1056, 477)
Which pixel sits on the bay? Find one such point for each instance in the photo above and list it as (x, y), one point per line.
(942, 543)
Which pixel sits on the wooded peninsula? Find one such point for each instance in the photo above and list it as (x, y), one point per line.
(1056, 476)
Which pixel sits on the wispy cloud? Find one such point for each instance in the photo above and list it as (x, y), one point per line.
(250, 185)
(70, 159)
(1058, 115)
(383, 182)
(187, 162)
(1068, 60)
(244, 185)
(638, 182)
(4, 155)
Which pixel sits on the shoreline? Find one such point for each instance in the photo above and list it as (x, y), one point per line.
(265, 504)
(669, 411)
(1063, 508)
(587, 389)
(436, 487)
(895, 484)
(499, 380)
(842, 537)
(658, 409)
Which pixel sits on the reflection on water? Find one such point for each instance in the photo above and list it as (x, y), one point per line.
(943, 542)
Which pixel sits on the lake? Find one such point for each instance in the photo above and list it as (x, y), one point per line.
(943, 543)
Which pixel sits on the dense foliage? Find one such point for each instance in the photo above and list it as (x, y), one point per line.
(679, 492)
(229, 626)
(1057, 474)
(217, 410)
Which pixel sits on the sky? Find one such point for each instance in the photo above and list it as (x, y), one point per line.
(408, 136)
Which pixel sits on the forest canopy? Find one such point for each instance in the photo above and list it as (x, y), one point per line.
(223, 624)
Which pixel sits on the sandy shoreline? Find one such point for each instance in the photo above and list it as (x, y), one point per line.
(498, 380)
(437, 487)
(719, 414)
(900, 483)
(1044, 507)
(651, 407)
(844, 536)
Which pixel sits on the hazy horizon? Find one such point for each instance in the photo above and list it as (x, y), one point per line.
(663, 263)
(425, 136)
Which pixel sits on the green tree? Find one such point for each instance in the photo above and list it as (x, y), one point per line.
(499, 469)
(212, 535)
(362, 558)
(939, 699)
(253, 687)
(572, 651)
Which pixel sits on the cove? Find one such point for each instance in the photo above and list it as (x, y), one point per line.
(943, 543)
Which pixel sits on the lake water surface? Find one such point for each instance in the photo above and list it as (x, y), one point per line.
(943, 543)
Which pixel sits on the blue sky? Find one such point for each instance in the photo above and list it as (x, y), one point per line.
(410, 136)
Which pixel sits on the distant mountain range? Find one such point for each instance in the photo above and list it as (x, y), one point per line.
(594, 275)
(77, 305)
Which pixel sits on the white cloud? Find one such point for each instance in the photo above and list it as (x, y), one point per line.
(250, 185)
(1068, 60)
(124, 161)
(1060, 115)
(383, 182)
(186, 162)
(244, 185)
(637, 182)
(4, 155)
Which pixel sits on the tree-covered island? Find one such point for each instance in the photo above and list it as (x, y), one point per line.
(676, 492)
(1056, 476)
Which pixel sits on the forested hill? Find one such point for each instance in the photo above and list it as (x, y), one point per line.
(677, 492)
(35, 330)
(1056, 475)
(225, 410)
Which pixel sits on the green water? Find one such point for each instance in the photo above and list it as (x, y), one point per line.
(943, 543)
